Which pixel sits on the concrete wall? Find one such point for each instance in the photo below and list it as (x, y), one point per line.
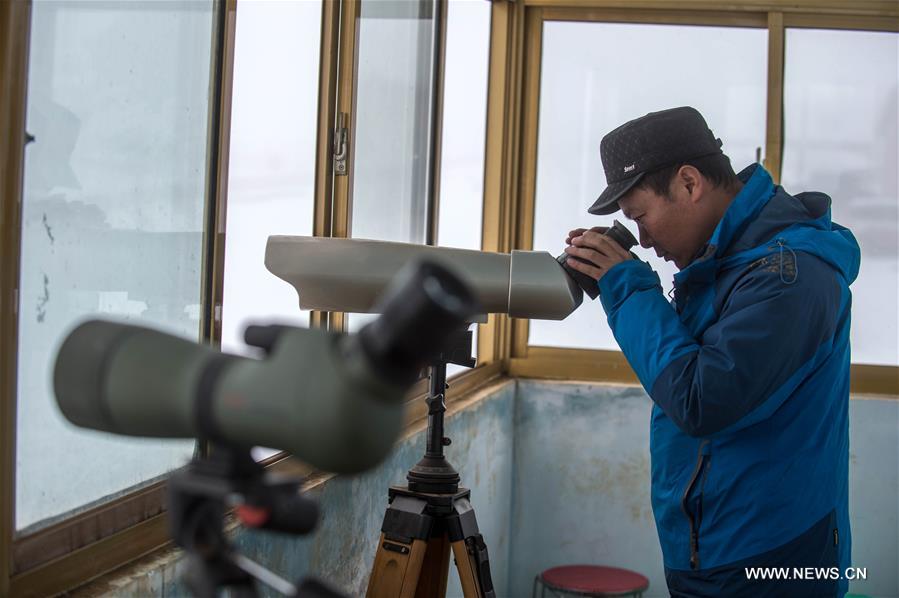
(874, 494)
(581, 485)
(581, 481)
(559, 475)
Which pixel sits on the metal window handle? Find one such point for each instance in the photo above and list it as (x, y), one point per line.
(340, 152)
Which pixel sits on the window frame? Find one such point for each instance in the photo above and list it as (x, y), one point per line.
(534, 361)
(15, 18)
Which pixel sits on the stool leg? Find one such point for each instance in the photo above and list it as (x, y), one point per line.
(534, 589)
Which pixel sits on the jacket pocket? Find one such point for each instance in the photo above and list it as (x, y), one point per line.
(691, 501)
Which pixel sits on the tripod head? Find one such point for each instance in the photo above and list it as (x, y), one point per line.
(200, 497)
(433, 473)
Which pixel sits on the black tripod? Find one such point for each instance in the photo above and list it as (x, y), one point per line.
(199, 498)
(432, 514)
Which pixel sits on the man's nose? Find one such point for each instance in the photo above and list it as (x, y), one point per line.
(645, 239)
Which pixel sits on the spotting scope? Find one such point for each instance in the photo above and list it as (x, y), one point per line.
(347, 275)
(333, 400)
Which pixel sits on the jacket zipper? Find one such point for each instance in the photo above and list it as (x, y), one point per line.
(701, 467)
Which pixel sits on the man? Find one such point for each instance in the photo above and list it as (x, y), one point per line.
(748, 366)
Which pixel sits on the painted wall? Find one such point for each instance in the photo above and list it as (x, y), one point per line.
(575, 458)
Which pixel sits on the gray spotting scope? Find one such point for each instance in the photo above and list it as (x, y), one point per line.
(348, 274)
(333, 400)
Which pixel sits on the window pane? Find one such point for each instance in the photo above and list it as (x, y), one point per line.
(112, 222)
(595, 77)
(464, 125)
(840, 137)
(271, 176)
(463, 130)
(391, 154)
(391, 151)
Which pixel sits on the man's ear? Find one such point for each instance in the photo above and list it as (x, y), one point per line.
(689, 179)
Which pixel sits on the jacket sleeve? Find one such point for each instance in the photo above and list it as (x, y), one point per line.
(768, 335)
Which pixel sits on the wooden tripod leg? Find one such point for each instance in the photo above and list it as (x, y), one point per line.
(470, 551)
(466, 566)
(397, 568)
(435, 570)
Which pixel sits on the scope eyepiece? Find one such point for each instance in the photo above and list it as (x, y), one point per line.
(419, 310)
(618, 233)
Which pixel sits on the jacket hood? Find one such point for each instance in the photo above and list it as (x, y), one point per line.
(763, 212)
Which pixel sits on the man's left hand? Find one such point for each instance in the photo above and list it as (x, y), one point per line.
(598, 249)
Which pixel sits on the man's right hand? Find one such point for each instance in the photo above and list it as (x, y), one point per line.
(580, 231)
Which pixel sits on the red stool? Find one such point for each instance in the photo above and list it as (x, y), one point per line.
(591, 580)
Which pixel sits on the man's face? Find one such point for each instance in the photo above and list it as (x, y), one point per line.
(670, 225)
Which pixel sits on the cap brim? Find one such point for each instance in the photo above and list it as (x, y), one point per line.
(607, 202)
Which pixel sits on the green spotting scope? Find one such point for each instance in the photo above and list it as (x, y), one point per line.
(332, 400)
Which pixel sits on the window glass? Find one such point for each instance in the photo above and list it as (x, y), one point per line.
(392, 120)
(464, 125)
(463, 130)
(595, 77)
(391, 148)
(271, 174)
(112, 223)
(840, 137)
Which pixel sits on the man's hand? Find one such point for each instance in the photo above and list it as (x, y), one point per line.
(592, 245)
(580, 231)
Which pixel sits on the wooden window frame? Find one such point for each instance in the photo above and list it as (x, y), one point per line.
(516, 129)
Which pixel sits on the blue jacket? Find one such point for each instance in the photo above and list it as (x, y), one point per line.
(748, 368)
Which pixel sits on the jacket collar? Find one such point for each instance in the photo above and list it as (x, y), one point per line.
(758, 188)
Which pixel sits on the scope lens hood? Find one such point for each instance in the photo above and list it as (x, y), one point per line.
(81, 367)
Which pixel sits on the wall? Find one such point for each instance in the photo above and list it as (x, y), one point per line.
(342, 549)
(575, 458)
(581, 481)
(581, 484)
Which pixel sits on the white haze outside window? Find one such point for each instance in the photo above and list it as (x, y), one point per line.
(840, 137)
(391, 132)
(112, 224)
(595, 77)
(271, 172)
(463, 133)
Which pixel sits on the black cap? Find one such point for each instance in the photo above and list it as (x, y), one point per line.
(648, 143)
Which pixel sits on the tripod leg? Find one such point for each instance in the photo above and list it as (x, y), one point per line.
(470, 552)
(401, 550)
(397, 569)
(434, 572)
(474, 569)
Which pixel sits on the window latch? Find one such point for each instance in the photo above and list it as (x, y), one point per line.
(339, 145)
